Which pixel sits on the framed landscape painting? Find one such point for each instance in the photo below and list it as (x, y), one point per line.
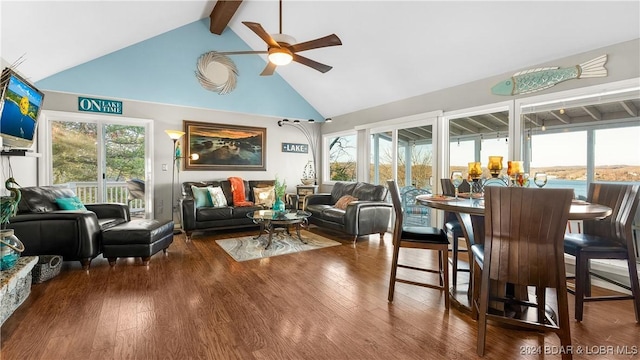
(224, 147)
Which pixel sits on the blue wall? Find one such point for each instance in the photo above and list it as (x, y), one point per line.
(162, 69)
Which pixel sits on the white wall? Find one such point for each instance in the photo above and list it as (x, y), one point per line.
(623, 63)
(286, 165)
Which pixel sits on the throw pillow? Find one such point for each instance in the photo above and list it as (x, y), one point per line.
(344, 201)
(265, 196)
(217, 196)
(201, 196)
(70, 203)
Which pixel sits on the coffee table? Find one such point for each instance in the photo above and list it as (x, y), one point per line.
(269, 220)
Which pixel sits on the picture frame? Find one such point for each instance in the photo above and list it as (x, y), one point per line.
(224, 147)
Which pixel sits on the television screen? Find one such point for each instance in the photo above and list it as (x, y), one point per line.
(21, 103)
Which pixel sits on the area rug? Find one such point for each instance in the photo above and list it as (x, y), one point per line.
(247, 248)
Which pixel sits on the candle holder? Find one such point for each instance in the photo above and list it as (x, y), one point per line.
(515, 170)
(475, 172)
(495, 165)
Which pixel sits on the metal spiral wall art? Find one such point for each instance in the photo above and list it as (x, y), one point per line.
(222, 88)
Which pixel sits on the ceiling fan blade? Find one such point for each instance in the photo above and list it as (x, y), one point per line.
(312, 64)
(222, 14)
(329, 40)
(257, 28)
(269, 69)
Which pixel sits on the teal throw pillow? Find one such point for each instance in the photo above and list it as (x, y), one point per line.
(70, 203)
(201, 196)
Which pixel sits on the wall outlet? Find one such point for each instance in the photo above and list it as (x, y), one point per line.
(165, 167)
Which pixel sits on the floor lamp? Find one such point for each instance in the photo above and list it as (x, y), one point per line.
(311, 133)
(175, 135)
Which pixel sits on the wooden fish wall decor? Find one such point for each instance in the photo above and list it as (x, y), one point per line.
(528, 81)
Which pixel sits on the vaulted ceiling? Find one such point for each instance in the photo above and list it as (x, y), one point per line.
(391, 50)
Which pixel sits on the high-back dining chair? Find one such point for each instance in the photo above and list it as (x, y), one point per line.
(610, 238)
(417, 237)
(524, 229)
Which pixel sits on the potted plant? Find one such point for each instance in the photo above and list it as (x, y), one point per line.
(308, 174)
(280, 188)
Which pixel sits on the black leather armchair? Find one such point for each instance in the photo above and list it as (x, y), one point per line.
(44, 229)
(370, 214)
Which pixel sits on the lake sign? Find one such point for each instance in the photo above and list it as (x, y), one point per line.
(295, 148)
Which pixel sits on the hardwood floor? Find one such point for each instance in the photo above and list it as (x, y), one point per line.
(198, 303)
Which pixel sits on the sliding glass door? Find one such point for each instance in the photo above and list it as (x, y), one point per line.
(405, 153)
(101, 159)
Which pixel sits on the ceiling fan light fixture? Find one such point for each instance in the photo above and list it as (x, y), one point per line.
(280, 56)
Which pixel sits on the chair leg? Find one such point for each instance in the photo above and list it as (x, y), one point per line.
(635, 286)
(541, 300)
(582, 273)
(454, 259)
(444, 254)
(482, 315)
(475, 289)
(587, 281)
(394, 268)
(442, 261)
(564, 332)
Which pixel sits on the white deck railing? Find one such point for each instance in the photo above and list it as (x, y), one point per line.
(116, 192)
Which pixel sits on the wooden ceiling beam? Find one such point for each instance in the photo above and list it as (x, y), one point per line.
(221, 14)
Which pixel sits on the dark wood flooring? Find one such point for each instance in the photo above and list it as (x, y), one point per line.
(198, 303)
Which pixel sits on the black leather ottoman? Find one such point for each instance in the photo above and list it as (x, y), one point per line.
(137, 238)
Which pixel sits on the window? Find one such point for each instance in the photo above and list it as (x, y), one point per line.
(584, 139)
(96, 156)
(341, 151)
(563, 157)
(381, 156)
(476, 135)
(614, 161)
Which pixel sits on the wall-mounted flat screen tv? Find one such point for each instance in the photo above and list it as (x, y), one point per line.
(20, 106)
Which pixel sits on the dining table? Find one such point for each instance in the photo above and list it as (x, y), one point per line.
(470, 213)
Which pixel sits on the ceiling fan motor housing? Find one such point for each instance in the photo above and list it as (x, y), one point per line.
(284, 39)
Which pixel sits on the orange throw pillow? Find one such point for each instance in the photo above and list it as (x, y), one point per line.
(344, 201)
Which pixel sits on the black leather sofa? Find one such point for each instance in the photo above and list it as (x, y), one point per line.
(218, 218)
(44, 229)
(370, 214)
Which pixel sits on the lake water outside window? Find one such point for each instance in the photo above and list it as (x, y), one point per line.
(565, 165)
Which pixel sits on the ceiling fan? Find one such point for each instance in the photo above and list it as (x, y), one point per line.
(282, 48)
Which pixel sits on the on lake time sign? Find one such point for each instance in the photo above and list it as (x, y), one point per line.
(99, 105)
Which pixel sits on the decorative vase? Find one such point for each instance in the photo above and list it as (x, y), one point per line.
(278, 205)
(10, 249)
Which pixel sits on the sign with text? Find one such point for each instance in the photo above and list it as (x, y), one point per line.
(295, 148)
(99, 105)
